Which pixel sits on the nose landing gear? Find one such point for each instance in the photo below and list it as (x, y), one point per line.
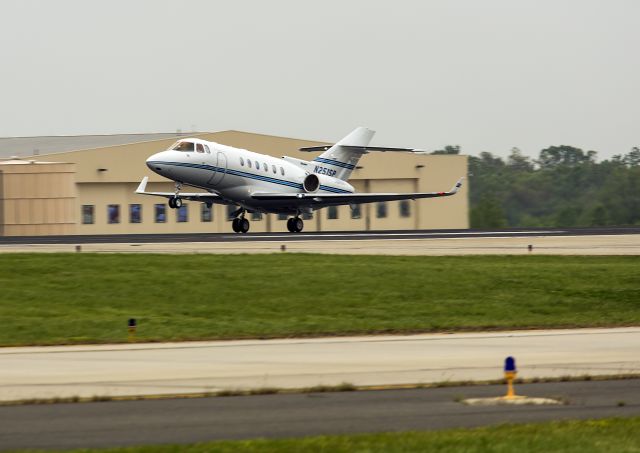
(295, 224)
(175, 202)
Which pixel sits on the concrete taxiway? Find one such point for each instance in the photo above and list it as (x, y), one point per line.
(181, 368)
(125, 423)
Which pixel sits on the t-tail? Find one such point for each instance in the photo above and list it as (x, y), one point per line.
(341, 159)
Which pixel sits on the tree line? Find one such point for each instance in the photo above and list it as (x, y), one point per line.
(564, 187)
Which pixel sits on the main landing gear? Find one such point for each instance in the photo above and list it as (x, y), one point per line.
(240, 224)
(295, 224)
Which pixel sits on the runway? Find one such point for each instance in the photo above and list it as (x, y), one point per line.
(314, 236)
(619, 241)
(183, 368)
(112, 424)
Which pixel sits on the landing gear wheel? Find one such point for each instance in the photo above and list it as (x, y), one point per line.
(235, 224)
(177, 202)
(244, 225)
(172, 203)
(295, 224)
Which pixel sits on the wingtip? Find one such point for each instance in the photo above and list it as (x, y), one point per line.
(458, 185)
(143, 185)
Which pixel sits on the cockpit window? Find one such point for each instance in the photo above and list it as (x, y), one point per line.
(183, 146)
(200, 148)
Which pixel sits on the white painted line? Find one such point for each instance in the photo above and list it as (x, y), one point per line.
(383, 235)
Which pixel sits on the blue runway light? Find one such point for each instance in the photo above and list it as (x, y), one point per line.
(509, 365)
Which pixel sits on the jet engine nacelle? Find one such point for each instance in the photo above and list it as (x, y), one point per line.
(311, 183)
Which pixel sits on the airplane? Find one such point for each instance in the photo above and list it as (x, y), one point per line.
(261, 183)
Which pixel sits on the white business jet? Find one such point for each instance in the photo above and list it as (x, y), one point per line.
(260, 183)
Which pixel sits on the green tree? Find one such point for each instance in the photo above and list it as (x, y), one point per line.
(449, 149)
(488, 214)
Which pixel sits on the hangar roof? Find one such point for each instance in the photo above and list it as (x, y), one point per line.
(30, 146)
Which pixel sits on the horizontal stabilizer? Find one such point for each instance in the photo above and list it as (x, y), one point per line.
(364, 149)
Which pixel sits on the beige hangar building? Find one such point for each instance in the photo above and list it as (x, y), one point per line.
(86, 185)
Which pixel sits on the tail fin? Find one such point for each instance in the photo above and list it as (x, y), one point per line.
(342, 159)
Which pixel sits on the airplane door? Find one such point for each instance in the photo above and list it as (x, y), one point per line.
(221, 169)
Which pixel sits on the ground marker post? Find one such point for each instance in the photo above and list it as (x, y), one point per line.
(132, 329)
(510, 374)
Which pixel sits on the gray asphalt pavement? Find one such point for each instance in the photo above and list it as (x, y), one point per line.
(313, 236)
(109, 424)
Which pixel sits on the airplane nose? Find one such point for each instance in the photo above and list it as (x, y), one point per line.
(155, 161)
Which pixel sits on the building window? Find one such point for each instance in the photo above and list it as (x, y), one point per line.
(231, 209)
(182, 214)
(332, 212)
(206, 213)
(160, 213)
(135, 213)
(405, 208)
(242, 161)
(256, 216)
(113, 213)
(307, 215)
(87, 214)
(381, 210)
(283, 216)
(356, 211)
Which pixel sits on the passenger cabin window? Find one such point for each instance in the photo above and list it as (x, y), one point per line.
(248, 163)
(242, 161)
(265, 166)
(200, 148)
(273, 167)
(282, 170)
(184, 146)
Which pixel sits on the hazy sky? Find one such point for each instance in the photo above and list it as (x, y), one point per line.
(485, 74)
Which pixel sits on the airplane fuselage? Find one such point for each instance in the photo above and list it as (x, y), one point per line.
(235, 174)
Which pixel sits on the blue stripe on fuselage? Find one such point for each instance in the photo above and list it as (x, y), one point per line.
(249, 175)
(335, 163)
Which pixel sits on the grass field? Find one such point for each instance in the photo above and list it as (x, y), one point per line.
(605, 435)
(87, 298)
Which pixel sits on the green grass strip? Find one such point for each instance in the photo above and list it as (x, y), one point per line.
(87, 298)
(618, 435)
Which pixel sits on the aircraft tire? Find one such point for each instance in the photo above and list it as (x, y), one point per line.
(177, 202)
(244, 225)
(172, 203)
(235, 224)
(298, 224)
(290, 225)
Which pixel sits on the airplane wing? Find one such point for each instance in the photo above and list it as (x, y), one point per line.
(204, 197)
(333, 199)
